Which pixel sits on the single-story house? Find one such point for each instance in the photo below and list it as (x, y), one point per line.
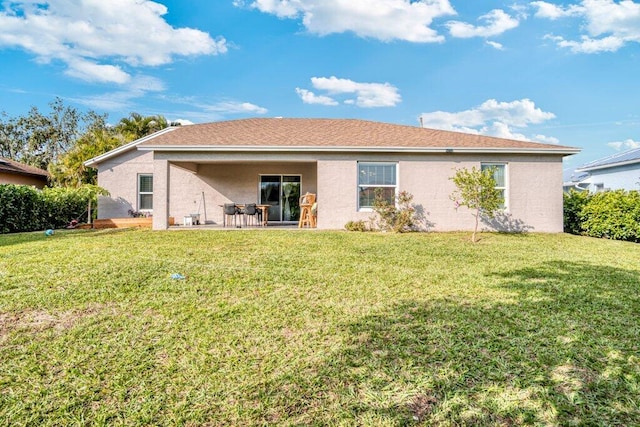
(12, 172)
(197, 168)
(620, 171)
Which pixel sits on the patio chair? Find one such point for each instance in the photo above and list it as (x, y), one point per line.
(306, 203)
(251, 211)
(230, 210)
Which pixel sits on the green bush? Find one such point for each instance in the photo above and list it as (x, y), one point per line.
(612, 215)
(574, 202)
(62, 205)
(25, 208)
(356, 226)
(399, 216)
(20, 208)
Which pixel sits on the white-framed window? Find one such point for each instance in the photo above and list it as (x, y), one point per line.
(500, 177)
(374, 175)
(145, 192)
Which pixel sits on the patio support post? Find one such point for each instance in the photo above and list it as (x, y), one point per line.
(160, 194)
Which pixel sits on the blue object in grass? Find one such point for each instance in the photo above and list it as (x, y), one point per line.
(48, 232)
(177, 276)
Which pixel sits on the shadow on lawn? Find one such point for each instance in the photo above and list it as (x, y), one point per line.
(559, 348)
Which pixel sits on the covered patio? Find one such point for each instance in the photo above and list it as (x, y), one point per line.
(200, 188)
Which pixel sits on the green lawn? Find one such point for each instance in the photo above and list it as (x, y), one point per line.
(275, 327)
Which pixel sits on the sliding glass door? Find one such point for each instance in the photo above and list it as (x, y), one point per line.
(282, 193)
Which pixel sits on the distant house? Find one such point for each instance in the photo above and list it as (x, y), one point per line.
(573, 180)
(620, 171)
(180, 170)
(12, 172)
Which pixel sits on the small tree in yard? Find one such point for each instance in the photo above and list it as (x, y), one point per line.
(476, 189)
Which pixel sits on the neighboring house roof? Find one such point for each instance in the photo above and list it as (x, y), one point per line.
(619, 159)
(17, 168)
(281, 134)
(573, 179)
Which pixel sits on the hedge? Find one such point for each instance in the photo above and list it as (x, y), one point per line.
(611, 214)
(25, 208)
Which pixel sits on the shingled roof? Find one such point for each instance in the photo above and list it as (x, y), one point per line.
(17, 168)
(292, 134)
(329, 133)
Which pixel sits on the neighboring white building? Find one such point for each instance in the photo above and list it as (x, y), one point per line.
(273, 161)
(620, 171)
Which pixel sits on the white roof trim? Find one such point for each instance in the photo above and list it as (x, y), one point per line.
(245, 148)
(124, 148)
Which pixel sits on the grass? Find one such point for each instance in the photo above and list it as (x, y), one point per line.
(318, 328)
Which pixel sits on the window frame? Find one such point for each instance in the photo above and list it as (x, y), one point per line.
(505, 187)
(360, 186)
(141, 193)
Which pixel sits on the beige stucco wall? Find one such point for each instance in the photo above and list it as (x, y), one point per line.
(12, 178)
(119, 176)
(534, 185)
(534, 191)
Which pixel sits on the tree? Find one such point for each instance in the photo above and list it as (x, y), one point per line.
(138, 126)
(70, 170)
(9, 142)
(476, 189)
(38, 139)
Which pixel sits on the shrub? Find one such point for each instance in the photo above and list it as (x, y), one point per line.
(62, 205)
(399, 216)
(24, 208)
(612, 215)
(574, 203)
(20, 208)
(356, 226)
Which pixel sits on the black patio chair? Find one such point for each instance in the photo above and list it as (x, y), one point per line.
(251, 211)
(230, 209)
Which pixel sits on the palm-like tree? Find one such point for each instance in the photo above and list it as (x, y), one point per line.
(137, 126)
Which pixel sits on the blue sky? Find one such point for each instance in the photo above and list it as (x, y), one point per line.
(556, 72)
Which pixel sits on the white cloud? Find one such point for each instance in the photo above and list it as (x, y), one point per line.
(608, 25)
(367, 95)
(492, 118)
(546, 139)
(309, 97)
(626, 144)
(136, 87)
(496, 23)
(386, 20)
(233, 107)
(552, 11)
(589, 45)
(495, 45)
(96, 38)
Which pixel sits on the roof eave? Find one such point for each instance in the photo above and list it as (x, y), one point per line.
(607, 166)
(93, 162)
(244, 148)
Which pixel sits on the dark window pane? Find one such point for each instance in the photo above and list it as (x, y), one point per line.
(146, 183)
(368, 195)
(146, 201)
(376, 174)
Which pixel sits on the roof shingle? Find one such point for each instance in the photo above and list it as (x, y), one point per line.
(13, 167)
(330, 133)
